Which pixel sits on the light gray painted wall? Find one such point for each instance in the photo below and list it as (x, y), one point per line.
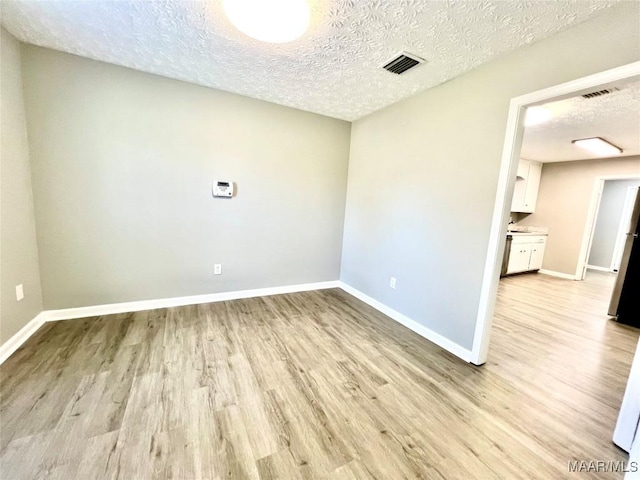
(608, 221)
(18, 248)
(123, 164)
(563, 205)
(423, 174)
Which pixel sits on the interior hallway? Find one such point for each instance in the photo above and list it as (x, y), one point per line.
(318, 385)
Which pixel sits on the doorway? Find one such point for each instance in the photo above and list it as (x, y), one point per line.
(615, 197)
(506, 184)
(624, 226)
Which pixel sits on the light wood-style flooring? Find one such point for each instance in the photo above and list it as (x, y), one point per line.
(317, 385)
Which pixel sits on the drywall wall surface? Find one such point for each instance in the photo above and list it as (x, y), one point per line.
(423, 174)
(18, 246)
(123, 165)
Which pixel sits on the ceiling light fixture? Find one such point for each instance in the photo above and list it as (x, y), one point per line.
(536, 116)
(273, 21)
(598, 146)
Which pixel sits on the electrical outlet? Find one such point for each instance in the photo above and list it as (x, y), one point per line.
(217, 269)
(392, 282)
(19, 292)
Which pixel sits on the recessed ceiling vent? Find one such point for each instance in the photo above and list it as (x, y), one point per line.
(600, 93)
(402, 62)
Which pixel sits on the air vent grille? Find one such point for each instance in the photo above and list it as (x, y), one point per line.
(402, 62)
(599, 93)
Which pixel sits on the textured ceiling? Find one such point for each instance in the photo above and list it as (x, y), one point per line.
(614, 117)
(333, 69)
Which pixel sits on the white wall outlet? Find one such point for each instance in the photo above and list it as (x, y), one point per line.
(19, 292)
(217, 269)
(392, 282)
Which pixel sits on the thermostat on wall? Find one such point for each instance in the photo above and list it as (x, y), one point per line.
(222, 189)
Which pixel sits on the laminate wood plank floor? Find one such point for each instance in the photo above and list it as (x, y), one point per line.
(318, 385)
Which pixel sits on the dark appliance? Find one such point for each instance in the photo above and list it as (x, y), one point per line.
(625, 301)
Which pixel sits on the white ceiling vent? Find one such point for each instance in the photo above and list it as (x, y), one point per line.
(402, 62)
(599, 93)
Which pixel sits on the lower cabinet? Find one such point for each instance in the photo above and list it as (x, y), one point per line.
(519, 258)
(526, 253)
(537, 253)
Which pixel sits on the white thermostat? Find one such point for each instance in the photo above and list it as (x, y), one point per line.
(222, 189)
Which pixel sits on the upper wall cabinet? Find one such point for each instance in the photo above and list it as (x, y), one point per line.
(525, 193)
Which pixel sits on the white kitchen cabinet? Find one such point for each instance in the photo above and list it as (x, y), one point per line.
(537, 254)
(526, 253)
(525, 192)
(533, 185)
(519, 258)
(523, 168)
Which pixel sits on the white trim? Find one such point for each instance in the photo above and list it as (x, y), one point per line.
(21, 336)
(112, 308)
(589, 228)
(620, 176)
(497, 235)
(30, 328)
(623, 227)
(552, 273)
(420, 329)
(504, 190)
(599, 269)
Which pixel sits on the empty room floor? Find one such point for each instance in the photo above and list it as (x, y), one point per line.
(317, 385)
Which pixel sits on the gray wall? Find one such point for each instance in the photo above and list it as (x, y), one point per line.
(563, 205)
(608, 221)
(123, 164)
(18, 250)
(423, 174)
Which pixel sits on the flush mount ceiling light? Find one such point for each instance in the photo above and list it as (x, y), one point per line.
(273, 21)
(536, 116)
(598, 146)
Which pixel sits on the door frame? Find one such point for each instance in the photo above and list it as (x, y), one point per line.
(506, 182)
(625, 218)
(592, 218)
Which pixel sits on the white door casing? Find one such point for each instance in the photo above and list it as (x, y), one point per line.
(623, 228)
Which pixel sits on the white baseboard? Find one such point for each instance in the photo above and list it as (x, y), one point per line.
(420, 329)
(30, 328)
(551, 273)
(599, 269)
(21, 336)
(11, 345)
(112, 308)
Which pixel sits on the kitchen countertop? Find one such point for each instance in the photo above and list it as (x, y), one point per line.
(519, 234)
